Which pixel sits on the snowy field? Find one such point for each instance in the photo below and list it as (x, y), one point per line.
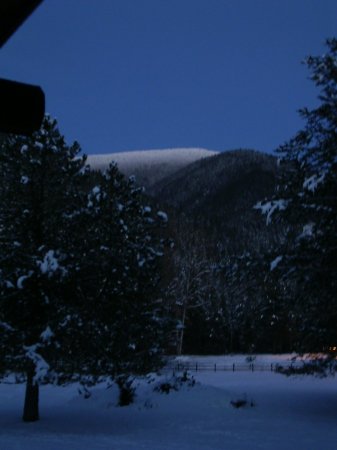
(297, 413)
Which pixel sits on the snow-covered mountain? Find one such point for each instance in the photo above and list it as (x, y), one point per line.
(216, 190)
(150, 166)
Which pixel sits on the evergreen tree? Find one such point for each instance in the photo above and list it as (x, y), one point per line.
(78, 270)
(119, 275)
(38, 192)
(307, 196)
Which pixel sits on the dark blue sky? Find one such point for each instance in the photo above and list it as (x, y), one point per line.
(140, 74)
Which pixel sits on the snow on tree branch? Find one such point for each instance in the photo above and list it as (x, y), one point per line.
(49, 263)
(47, 335)
(270, 207)
(41, 366)
(275, 262)
(6, 326)
(162, 215)
(307, 231)
(20, 281)
(313, 182)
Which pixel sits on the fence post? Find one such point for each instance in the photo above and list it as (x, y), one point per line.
(214, 367)
(196, 367)
(252, 367)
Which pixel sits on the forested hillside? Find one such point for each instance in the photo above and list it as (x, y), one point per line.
(219, 282)
(216, 196)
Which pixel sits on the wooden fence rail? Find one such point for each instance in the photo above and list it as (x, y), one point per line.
(216, 367)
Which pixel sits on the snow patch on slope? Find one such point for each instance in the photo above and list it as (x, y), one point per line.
(149, 166)
(126, 160)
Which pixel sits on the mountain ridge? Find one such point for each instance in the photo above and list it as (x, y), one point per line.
(149, 166)
(212, 193)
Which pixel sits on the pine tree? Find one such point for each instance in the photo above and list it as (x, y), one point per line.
(307, 196)
(78, 274)
(38, 178)
(119, 275)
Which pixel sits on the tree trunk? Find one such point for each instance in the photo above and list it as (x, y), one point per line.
(181, 335)
(31, 406)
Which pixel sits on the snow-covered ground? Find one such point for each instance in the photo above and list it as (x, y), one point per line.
(287, 413)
